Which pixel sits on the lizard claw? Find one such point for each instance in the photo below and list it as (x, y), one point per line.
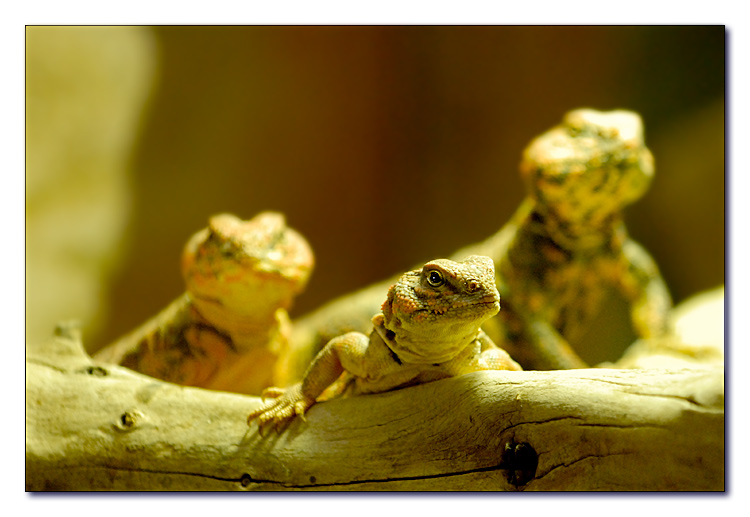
(287, 404)
(301, 407)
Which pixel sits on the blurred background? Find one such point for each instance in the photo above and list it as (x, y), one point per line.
(384, 147)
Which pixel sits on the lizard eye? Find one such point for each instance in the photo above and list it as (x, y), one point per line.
(220, 243)
(227, 250)
(435, 278)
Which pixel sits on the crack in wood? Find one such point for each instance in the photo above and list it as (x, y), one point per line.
(578, 460)
(246, 479)
(546, 421)
(385, 480)
(688, 399)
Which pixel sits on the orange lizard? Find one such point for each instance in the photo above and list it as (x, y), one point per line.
(230, 329)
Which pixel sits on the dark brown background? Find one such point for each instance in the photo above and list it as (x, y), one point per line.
(386, 146)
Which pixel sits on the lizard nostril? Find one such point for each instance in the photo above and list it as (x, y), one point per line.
(473, 286)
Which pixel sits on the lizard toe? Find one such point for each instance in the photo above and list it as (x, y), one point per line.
(301, 407)
(272, 392)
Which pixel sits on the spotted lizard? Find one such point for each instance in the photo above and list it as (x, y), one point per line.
(428, 329)
(230, 329)
(563, 247)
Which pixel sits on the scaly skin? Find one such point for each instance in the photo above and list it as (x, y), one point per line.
(429, 329)
(565, 244)
(230, 330)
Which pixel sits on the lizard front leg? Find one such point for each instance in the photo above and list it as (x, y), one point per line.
(643, 285)
(494, 357)
(536, 344)
(342, 353)
(481, 354)
(551, 351)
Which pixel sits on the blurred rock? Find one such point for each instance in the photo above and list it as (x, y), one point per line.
(85, 92)
(698, 339)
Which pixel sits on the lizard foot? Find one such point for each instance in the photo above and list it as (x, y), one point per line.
(287, 404)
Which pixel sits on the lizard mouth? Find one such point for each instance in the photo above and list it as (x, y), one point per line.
(469, 307)
(206, 298)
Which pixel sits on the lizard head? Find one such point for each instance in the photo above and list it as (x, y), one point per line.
(254, 265)
(584, 171)
(436, 311)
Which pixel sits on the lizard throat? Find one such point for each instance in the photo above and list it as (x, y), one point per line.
(246, 332)
(572, 237)
(407, 349)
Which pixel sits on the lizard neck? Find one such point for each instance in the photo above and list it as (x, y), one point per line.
(418, 348)
(247, 330)
(576, 237)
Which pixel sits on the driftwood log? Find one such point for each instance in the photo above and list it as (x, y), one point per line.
(92, 426)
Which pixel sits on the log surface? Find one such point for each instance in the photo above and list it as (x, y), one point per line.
(93, 426)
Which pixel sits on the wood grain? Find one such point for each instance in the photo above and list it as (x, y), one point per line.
(93, 426)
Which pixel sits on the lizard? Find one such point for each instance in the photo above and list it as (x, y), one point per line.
(230, 329)
(564, 245)
(428, 329)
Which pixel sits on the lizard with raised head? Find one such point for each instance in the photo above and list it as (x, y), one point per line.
(230, 329)
(429, 329)
(563, 247)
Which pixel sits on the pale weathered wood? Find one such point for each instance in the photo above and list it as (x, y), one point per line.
(99, 427)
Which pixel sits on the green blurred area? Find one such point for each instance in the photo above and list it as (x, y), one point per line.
(387, 146)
